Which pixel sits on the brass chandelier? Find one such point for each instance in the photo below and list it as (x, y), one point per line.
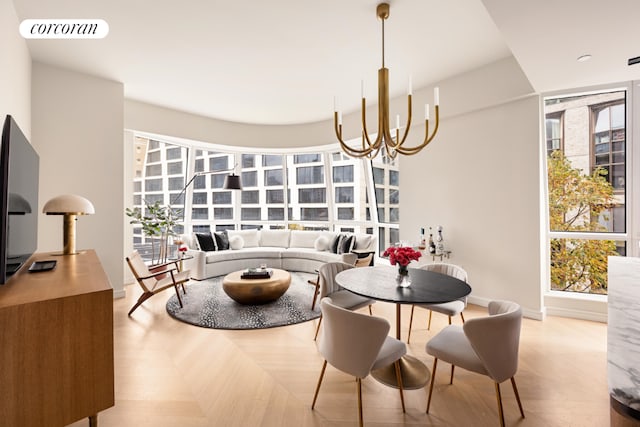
(392, 146)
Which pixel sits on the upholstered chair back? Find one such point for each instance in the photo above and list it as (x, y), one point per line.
(350, 341)
(496, 338)
(327, 276)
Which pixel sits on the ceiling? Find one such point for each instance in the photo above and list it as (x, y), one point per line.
(284, 61)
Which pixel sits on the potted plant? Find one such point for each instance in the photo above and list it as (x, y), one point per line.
(157, 223)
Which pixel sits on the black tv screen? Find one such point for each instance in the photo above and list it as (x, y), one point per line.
(19, 169)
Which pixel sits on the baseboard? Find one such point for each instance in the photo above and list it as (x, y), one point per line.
(119, 294)
(577, 314)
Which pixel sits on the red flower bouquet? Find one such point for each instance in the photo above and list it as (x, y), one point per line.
(401, 255)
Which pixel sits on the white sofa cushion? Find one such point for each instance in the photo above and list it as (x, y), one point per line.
(363, 241)
(249, 237)
(303, 238)
(236, 243)
(244, 254)
(275, 238)
(321, 244)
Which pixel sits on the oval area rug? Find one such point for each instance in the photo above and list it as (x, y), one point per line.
(206, 305)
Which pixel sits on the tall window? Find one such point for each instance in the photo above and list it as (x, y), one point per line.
(586, 171)
(321, 190)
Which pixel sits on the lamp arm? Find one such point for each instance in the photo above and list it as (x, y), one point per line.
(197, 174)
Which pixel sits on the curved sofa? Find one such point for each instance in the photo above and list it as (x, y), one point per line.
(292, 250)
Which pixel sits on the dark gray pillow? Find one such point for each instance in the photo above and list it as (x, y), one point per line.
(346, 244)
(335, 244)
(222, 240)
(206, 242)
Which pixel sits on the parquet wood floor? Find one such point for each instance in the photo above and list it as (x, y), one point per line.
(170, 374)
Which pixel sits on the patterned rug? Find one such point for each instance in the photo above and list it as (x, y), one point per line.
(206, 305)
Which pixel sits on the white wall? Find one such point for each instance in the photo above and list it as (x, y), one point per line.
(78, 123)
(15, 70)
(479, 179)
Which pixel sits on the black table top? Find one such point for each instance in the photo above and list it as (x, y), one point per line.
(380, 283)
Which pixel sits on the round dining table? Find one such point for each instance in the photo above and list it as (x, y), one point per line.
(427, 287)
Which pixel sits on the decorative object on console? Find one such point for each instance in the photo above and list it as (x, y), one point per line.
(393, 144)
(439, 242)
(432, 245)
(423, 243)
(70, 206)
(402, 256)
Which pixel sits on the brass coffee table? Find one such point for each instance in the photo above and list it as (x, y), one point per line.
(256, 291)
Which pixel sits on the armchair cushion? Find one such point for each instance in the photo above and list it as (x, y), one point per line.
(452, 345)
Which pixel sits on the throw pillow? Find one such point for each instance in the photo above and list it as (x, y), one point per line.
(321, 244)
(236, 242)
(222, 241)
(346, 244)
(206, 242)
(335, 244)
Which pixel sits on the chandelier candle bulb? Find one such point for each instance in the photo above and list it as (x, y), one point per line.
(397, 121)
(410, 86)
(426, 111)
(436, 96)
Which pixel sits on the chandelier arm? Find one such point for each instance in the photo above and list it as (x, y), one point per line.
(365, 134)
(428, 138)
(353, 152)
(408, 125)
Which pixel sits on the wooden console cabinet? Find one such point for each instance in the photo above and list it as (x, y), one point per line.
(56, 343)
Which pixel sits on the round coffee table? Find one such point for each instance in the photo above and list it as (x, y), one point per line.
(256, 291)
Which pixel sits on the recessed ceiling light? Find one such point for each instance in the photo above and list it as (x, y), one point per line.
(584, 58)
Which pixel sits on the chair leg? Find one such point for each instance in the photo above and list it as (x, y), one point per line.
(462, 317)
(452, 369)
(449, 319)
(315, 292)
(178, 295)
(315, 396)
(410, 323)
(370, 312)
(318, 328)
(145, 296)
(500, 411)
(359, 380)
(515, 391)
(429, 324)
(433, 379)
(399, 379)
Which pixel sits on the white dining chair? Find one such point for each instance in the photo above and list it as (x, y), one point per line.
(357, 344)
(485, 345)
(341, 297)
(452, 308)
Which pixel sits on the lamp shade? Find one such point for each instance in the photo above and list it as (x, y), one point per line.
(68, 204)
(232, 182)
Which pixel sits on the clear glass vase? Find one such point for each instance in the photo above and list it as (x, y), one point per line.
(403, 279)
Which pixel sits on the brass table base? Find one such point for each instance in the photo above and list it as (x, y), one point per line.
(415, 374)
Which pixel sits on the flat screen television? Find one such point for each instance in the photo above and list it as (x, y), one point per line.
(19, 169)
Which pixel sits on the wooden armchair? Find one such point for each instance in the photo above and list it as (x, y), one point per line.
(157, 278)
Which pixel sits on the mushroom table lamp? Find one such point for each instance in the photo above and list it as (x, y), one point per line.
(69, 205)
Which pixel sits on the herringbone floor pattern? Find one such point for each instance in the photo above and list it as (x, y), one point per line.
(170, 374)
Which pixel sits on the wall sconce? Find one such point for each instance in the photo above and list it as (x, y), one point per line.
(69, 205)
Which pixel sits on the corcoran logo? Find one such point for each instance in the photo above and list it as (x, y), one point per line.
(64, 28)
